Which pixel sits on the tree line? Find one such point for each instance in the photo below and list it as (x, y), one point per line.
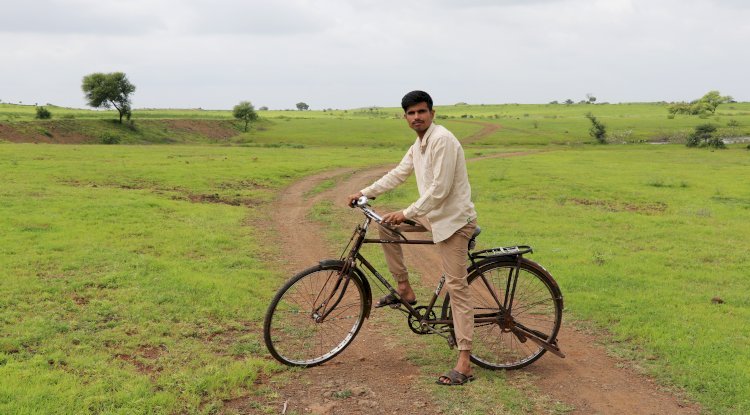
(114, 89)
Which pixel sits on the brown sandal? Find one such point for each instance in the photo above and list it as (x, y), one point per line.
(391, 299)
(455, 377)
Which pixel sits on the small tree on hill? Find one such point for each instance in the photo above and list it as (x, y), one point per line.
(43, 113)
(598, 130)
(246, 112)
(713, 99)
(301, 106)
(702, 106)
(105, 90)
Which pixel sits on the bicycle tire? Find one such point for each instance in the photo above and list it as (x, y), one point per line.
(290, 332)
(537, 305)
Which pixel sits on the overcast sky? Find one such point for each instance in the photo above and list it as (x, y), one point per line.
(356, 53)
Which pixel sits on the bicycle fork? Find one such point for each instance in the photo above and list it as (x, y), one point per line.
(319, 316)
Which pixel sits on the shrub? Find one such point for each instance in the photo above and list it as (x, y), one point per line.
(43, 113)
(733, 123)
(108, 138)
(598, 130)
(705, 136)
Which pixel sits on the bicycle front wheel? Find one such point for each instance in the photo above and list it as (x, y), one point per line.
(536, 306)
(314, 316)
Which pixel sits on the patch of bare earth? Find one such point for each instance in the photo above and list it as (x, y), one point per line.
(145, 359)
(71, 132)
(53, 132)
(211, 129)
(374, 376)
(487, 130)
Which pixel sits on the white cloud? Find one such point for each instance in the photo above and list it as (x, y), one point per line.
(56, 17)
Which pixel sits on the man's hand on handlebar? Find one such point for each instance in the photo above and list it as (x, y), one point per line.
(351, 199)
(394, 218)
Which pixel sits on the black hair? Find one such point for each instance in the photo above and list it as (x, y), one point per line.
(414, 98)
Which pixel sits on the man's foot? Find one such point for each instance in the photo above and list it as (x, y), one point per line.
(391, 299)
(454, 378)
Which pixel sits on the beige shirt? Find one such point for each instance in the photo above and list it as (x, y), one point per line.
(444, 192)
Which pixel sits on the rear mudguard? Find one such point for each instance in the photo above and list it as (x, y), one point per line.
(356, 274)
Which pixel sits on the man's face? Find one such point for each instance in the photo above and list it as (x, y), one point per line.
(419, 117)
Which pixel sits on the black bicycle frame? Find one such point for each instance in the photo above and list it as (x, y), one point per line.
(502, 316)
(354, 256)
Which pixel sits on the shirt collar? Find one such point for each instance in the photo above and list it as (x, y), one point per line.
(425, 139)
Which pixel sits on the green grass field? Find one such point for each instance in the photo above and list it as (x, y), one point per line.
(641, 239)
(134, 278)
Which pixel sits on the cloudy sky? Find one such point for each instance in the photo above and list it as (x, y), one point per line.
(356, 53)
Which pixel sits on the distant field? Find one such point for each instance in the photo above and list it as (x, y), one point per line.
(522, 124)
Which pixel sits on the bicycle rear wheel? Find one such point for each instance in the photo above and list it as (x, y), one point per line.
(537, 305)
(294, 331)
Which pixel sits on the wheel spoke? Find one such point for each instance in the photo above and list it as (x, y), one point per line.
(535, 306)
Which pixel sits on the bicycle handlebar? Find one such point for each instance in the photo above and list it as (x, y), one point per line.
(362, 204)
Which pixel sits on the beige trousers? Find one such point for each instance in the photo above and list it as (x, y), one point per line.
(453, 254)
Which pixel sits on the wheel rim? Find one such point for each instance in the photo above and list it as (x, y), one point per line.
(297, 338)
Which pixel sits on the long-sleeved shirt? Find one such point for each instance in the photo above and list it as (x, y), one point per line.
(444, 191)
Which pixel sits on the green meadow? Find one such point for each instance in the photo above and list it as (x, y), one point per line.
(134, 278)
(520, 124)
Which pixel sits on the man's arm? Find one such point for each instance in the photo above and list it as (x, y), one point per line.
(391, 179)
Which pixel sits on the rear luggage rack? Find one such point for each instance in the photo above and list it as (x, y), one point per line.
(502, 251)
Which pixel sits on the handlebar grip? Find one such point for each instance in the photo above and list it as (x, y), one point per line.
(361, 201)
(410, 222)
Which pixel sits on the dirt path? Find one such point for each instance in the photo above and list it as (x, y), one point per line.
(382, 380)
(487, 130)
(377, 375)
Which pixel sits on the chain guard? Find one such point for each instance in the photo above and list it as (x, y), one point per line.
(414, 322)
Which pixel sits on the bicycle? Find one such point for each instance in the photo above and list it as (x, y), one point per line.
(317, 313)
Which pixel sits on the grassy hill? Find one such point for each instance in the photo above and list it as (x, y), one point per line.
(520, 124)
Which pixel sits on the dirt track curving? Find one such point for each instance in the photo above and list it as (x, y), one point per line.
(383, 381)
